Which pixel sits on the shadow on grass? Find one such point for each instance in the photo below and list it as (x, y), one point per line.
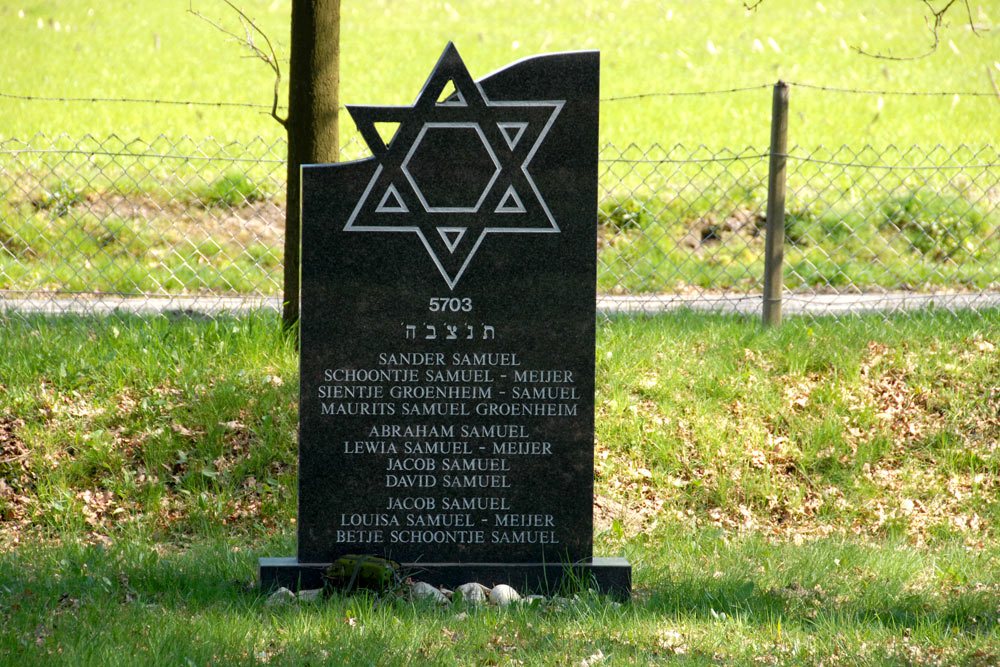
(131, 603)
(830, 584)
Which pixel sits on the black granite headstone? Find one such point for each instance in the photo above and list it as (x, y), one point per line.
(447, 334)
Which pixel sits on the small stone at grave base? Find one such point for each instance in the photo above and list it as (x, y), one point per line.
(502, 595)
(280, 597)
(421, 590)
(310, 595)
(474, 593)
(533, 599)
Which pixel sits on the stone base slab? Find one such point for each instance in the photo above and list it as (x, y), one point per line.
(611, 576)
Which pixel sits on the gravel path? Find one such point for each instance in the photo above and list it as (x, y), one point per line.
(800, 304)
(794, 304)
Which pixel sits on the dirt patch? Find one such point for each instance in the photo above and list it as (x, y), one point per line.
(708, 230)
(899, 406)
(15, 475)
(607, 511)
(703, 231)
(261, 221)
(13, 453)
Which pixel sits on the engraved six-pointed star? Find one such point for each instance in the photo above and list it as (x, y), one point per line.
(456, 167)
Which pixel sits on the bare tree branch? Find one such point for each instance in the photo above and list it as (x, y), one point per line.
(996, 91)
(934, 19)
(247, 40)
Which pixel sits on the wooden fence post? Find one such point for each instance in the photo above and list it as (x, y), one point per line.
(774, 243)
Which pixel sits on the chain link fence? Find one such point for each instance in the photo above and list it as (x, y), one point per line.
(864, 230)
(93, 225)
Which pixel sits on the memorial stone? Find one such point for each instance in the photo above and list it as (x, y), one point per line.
(447, 335)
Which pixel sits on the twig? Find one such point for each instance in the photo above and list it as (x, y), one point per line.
(935, 21)
(268, 56)
(996, 90)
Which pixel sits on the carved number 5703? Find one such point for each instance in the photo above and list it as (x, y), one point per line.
(450, 305)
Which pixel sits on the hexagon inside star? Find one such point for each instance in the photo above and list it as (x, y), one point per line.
(451, 167)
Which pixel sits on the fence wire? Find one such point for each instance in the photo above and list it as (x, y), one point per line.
(865, 230)
(94, 225)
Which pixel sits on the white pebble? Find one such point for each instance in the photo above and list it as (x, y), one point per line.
(310, 595)
(421, 590)
(502, 595)
(281, 596)
(474, 593)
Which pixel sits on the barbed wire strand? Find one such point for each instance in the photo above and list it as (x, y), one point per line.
(889, 167)
(135, 100)
(251, 105)
(911, 93)
(734, 158)
(162, 156)
(621, 160)
(686, 93)
(619, 98)
(800, 158)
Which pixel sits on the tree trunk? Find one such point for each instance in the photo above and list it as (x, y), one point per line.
(313, 105)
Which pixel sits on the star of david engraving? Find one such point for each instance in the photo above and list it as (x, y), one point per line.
(456, 168)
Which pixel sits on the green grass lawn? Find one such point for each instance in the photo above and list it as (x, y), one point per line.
(824, 492)
(888, 234)
(153, 49)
